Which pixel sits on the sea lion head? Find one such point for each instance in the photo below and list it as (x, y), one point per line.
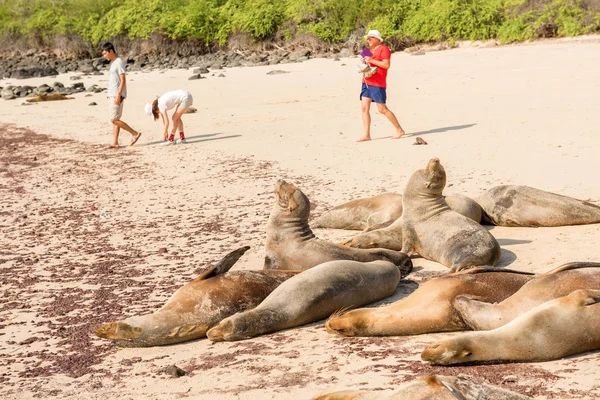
(119, 330)
(428, 181)
(232, 328)
(291, 200)
(348, 324)
(446, 352)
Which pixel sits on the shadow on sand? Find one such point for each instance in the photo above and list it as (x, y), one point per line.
(198, 138)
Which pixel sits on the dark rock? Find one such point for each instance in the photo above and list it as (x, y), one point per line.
(44, 89)
(162, 250)
(194, 77)
(221, 76)
(295, 55)
(174, 371)
(58, 85)
(93, 103)
(201, 70)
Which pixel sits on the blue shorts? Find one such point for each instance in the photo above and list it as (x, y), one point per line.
(375, 93)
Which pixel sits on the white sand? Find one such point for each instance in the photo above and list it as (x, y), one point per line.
(510, 115)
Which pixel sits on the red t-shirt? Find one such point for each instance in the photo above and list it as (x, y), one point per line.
(382, 52)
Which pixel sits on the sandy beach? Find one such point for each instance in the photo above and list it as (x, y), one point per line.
(82, 225)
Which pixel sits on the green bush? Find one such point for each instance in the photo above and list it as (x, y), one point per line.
(332, 21)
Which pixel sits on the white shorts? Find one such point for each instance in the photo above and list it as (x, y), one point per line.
(114, 111)
(186, 101)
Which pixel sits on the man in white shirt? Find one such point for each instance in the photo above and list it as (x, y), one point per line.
(117, 92)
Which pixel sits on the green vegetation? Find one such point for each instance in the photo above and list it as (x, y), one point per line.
(332, 21)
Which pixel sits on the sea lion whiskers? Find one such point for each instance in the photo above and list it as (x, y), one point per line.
(336, 314)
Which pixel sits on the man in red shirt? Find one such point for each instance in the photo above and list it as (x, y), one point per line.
(374, 87)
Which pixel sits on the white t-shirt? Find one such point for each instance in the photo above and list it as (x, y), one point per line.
(172, 99)
(116, 69)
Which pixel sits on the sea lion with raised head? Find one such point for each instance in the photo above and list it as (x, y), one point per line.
(391, 237)
(197, 306)
(512, 205)
(431, 229)
(481, 314)
(311, 296)
(432, 387)
(554, 329)
(292, 245)
(376, 211)
(429, 308)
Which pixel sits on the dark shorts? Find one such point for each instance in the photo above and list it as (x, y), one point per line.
(375, 93)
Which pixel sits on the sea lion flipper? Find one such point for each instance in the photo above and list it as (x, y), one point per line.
(456, 392)
(573, 265)
(229, 260)
(224, 265)
(585, 297)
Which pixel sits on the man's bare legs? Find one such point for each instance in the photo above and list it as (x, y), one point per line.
(365, 106)
(382, 108)
(117, 125)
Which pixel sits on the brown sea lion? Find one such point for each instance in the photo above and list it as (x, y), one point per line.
(432, 229)
(311, 296)
(430, 307)
(48, 97)
(554, 329)
(479, 314)
(511, 205)
(432, 387)
(376, 211)
(292, 245)
(391, 237)
(197, 306)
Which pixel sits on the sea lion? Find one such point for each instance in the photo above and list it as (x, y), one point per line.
(554, 329)
(197, 306)
(511, 205)
(430, 307)
(432, 387)
(311, 296)
(377, 211)
(292, 245)
(391, 237)
(432, 229)
(479, 314)
(48, 97)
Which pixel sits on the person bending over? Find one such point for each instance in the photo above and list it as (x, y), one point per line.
(181, 100)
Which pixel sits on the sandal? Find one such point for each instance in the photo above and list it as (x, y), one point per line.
(135, 138)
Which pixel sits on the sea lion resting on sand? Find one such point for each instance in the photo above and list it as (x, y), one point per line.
(380, 211)
(197, 306)
(292, 245)
(432, 229)
(430, 307)
(311, 296)
(479, 314)
(432, 387)
(391, 237)
(363, 214)
(48, 97)
(511, 205)
(557, 328)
